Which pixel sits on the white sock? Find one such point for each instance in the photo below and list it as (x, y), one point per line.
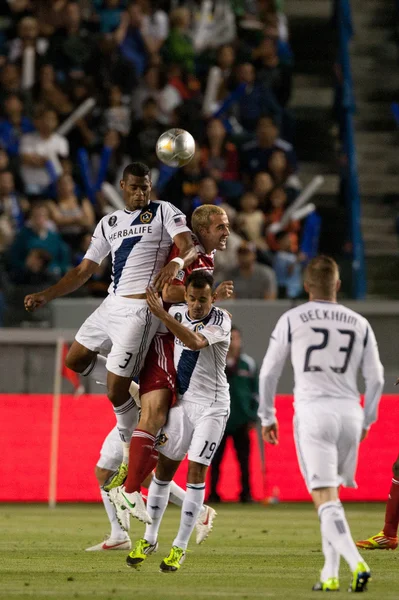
(127, 417)
(97, 370)
(331, 561)
(335, 529)
(157, 501)
(177, 495)
(117, 533)
(192, 505)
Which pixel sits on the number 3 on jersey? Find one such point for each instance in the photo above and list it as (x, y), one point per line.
(346, 349)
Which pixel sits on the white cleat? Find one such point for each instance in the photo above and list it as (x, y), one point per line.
(204, 523)
(110, 544)
(132, 503)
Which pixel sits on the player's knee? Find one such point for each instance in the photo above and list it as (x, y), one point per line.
(395, 469)
(196, 472)
(154, 416)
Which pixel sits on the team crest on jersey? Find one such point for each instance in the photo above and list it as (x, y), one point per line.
(112, 221)
(161, 439)
(199, 327)
(178, 317)
(146, 216)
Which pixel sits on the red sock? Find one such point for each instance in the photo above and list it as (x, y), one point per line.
(392, 511)
(141, 448)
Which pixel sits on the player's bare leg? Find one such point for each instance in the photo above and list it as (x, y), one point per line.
(387, 539)
(118, 539)
(337, 541)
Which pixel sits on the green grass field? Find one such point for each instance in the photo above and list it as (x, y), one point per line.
(253, 552)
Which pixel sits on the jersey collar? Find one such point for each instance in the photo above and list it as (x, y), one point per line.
(199, 320)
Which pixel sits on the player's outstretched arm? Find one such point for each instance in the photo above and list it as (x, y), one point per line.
(191, 339)
(72, 281)
(187, 255)
(373, 374)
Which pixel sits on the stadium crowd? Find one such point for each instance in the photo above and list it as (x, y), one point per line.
(139, 68)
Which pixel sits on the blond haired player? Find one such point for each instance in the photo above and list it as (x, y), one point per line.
(328, 344)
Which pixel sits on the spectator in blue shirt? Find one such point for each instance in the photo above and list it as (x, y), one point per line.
(14, 124)
(256, 154)
(132, 43)
(257, 100)
(37, 235)
(288, 268)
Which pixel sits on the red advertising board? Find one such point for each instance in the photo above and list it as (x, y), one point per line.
(25, 433)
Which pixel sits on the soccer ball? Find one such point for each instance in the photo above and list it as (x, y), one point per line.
(175, 147)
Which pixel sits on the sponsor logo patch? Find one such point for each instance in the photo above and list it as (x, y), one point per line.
(112, 221)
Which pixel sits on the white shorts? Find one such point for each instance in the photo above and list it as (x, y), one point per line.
(111, 452)
(193, 429)
(327, 441)
(125, 328)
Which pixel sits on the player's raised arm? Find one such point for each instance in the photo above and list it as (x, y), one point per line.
(269, 376)
(373, 374)
(71, 281)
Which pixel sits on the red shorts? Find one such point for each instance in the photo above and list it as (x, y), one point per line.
(159, 372)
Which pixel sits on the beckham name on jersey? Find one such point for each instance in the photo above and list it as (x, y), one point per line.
(327, 314)
(137, 230)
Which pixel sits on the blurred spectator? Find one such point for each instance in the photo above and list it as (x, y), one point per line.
(144, 134)
(178, 48)
(252, 280)
(287, 266)
(278, 205)
(133, 44)
(184, 184)
(242, 376)
(28, 37)
(220, 158)
(271, 73)
(13, 207)
(48, 93)
(41, 152)
(10, 81)
(73, 218)
(150, 86)
(258, 99)
(14, 124)
(23, 259)
(117, 115)
(51, 15)
(256, 154)
(281, 173)
(225, 60)
(262, 186)
(109, 13)
(155, 26)
(72, 47)
(109, 67)
(208, 194)
(251, 220)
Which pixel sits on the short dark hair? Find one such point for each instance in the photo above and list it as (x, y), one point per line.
(137, 169)
(199, 280)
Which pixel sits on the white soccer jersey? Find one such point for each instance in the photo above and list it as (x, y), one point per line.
(139, 243)
(328, 343)
(200, 374)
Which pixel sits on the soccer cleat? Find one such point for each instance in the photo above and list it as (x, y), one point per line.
(173, 562)
(378, 542)
(204, 523)
(140, 552)
(132, 502)
(117, 478)
(330, 585)
(110, 544)
(360, 576)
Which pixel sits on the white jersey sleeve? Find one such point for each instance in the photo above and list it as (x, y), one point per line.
(219, 331)
(99, 246)
(173, 219)
(272, 366)
(373, 374)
